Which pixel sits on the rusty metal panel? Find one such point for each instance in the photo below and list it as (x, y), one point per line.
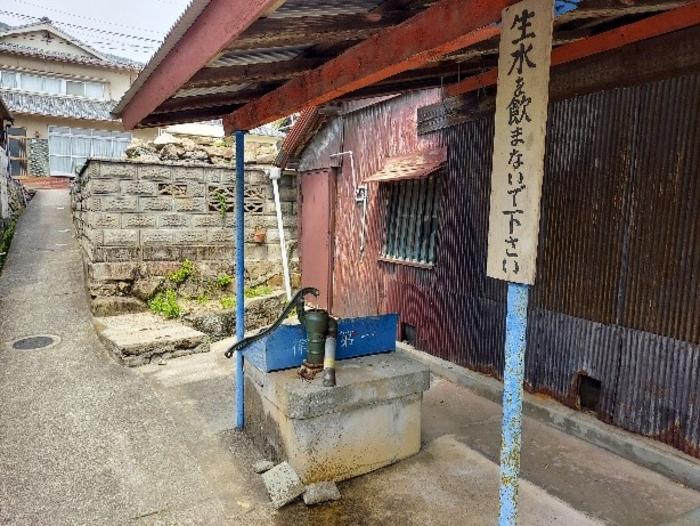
(373, 134)
(588, 165)
(561, 347)
(618, 291)
(327, 141)
(316, 233)
(662, 283)
(659, 389)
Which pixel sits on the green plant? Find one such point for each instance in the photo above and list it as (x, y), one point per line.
(202, 299)
(221, 204)
(227, 302)
(165, 303)
(223, 280)
(186, 269)
(256, 292)
(6, 240)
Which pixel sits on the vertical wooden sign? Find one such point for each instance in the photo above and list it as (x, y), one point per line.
(519, 141)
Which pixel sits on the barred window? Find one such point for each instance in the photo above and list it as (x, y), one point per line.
(410, 221)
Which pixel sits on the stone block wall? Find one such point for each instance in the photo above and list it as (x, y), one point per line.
(140, 220)
(38, 157)
(11, 193)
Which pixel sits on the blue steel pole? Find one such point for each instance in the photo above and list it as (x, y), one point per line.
(513, 375)
(240, 274)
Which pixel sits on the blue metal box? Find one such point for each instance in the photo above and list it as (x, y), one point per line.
(285, 347)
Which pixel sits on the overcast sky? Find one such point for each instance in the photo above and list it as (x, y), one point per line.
(129, 28)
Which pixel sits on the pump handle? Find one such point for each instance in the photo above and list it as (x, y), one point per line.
(297, 301)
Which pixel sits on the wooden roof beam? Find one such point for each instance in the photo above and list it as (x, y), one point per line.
(213, 99)
(441, 29)
(252, 72)
(666, 22)
(220, 23)
(273, 32)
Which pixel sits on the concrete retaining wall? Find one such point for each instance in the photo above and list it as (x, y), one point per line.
(140, 220)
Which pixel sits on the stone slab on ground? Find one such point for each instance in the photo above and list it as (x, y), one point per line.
(321, 492)
(137, 339)
(261, 466)
(283, 484)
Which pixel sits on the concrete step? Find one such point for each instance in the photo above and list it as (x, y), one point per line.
(138, 339)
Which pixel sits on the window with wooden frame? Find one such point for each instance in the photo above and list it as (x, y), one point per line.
(411, 220)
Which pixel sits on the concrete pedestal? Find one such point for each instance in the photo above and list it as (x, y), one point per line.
(370, 420)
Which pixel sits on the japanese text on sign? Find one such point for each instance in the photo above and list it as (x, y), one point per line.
(519, 140)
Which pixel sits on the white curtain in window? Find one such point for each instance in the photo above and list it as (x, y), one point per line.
(70, 147)
(8, 79)
(75, 88)
(60, 145)
(102, 147)
(31, 82)
(60, 165)
(52, 85)
(94, 90)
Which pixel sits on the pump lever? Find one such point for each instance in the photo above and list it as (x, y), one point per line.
(297, 301)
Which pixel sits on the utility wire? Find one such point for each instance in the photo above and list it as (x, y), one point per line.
(84, 28)
(88, 18)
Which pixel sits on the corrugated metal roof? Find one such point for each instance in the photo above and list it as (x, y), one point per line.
(258, 56)
(68, 107)
(299, 8)
(210, 90)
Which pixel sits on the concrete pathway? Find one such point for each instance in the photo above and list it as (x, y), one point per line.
(453, 480)
(83, 440)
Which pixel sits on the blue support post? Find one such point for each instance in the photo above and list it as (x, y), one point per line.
(240, 274)
(513, 375)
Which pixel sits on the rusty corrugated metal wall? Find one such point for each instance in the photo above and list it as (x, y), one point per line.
(618, 290)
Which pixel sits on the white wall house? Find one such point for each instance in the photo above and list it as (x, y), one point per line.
(61, 92)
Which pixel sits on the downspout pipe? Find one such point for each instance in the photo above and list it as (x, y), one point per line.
(239, 137)
(275, 174)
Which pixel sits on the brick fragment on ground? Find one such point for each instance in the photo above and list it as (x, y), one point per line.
(261, 466)
(321, 492)
(283, 484)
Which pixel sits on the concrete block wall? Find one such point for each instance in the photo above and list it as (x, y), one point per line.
(138, 220)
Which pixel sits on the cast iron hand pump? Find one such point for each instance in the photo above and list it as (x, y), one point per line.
(297, 301)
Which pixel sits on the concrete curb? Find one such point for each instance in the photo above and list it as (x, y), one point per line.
(645, 452)
(692, 518)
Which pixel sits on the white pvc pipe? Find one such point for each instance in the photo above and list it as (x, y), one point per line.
(275, 174)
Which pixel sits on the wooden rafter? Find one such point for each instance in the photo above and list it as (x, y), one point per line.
(272, 32)
(208, 101)
(672, 20)
(461, 23)
(252, 72)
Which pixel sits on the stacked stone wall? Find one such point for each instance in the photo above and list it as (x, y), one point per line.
(137, 221)
(38, 157)
(12, 198)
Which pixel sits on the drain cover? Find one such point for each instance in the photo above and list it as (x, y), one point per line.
(34, 342)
